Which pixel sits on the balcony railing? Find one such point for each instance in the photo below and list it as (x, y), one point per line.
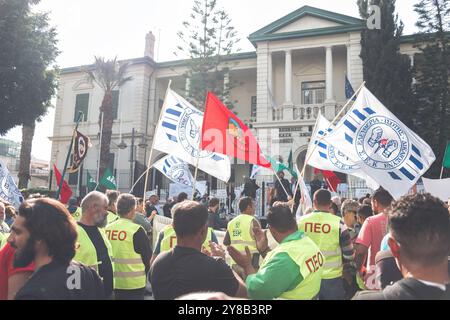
(305, 112)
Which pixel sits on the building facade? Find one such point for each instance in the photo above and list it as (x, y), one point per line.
(297, 70)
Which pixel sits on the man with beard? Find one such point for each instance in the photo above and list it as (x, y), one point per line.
(45, 233)
(94, 248)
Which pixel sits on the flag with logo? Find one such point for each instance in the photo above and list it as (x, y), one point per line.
(8, 188)
(175, 169)
(80, 148)
(91, 183)
(178, 133)
(108, 180)
(305, 199)
(324, 156)
(384, 148)
(223, 132)
(66, 191)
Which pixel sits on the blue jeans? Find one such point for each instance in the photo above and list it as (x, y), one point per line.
(332, 289)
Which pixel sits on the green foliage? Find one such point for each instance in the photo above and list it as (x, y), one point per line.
(432, 74)
(109, 75)
(206, 38)
(28, 49)
(386, 71)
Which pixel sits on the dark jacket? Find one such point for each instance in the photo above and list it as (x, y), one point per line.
(406, 289)
(62, 281)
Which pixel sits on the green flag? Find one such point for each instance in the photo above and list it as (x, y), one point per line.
(108, 180)
(277, 165)
(446, 162)
(91, 183)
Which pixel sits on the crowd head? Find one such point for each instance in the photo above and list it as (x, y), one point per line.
(95, 209)
(43, 227)
(420, 231)
(190, 220)
(126, 206)
(281, 222)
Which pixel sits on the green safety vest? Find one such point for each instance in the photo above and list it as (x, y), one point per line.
(129, 270)
(86, 252)
(112, 217)
(306, 254)
(323, 229)
(239, 232)
(169, 240)
(3, 239)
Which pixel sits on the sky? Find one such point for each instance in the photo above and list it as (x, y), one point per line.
(109, 28)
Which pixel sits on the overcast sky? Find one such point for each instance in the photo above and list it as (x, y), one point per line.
(117, 28)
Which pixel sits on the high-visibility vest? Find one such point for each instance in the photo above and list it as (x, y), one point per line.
(129, 270)
(169, 240)
(86, 252)
(77, 214)
(306, 254)
(112, 217)
(239, 232)
(3, 239)
(323, 229)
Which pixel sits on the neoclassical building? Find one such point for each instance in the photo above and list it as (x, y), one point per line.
(297, 70)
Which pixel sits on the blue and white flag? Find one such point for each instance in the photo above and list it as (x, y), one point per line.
(178, 133)
(385, 149)
(8, 188)
(175, 169)
(349, 92)
(324, 156)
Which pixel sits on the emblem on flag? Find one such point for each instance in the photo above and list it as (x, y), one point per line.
(80, 148)
(175, 169)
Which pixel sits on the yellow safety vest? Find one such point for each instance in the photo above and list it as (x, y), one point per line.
(239, 232)
(306, 254)
(77, 214)
(169, 240)
(112, 217)
(86, 252)
(129, 269)
(323, 229)
(3, 239)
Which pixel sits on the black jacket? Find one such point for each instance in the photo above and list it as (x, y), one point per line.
(62, 281)
(406, 289)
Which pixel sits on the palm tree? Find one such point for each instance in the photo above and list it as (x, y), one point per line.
(109, 75)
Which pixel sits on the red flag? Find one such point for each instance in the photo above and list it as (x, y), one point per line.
(331, 178)
(66, 191)
(223, 132)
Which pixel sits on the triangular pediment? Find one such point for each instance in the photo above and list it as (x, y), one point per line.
(307, 21)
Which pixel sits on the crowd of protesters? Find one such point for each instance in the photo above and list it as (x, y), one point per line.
(372, 248)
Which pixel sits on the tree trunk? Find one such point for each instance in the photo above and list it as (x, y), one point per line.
(107, 131)
(25, 154)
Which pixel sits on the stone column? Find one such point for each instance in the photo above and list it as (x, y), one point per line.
(288, 78)
(349, 75)
(329, 74)
(187, 86)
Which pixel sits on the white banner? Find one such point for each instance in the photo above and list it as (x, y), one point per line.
(438, 188)
(385, 149)
(178, 133)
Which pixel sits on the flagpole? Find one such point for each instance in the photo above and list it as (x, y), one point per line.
(276, 175)
(151, 150)
(118, 151)
(332, 122)
(195, 174)
(80, 115)
(100, 149)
